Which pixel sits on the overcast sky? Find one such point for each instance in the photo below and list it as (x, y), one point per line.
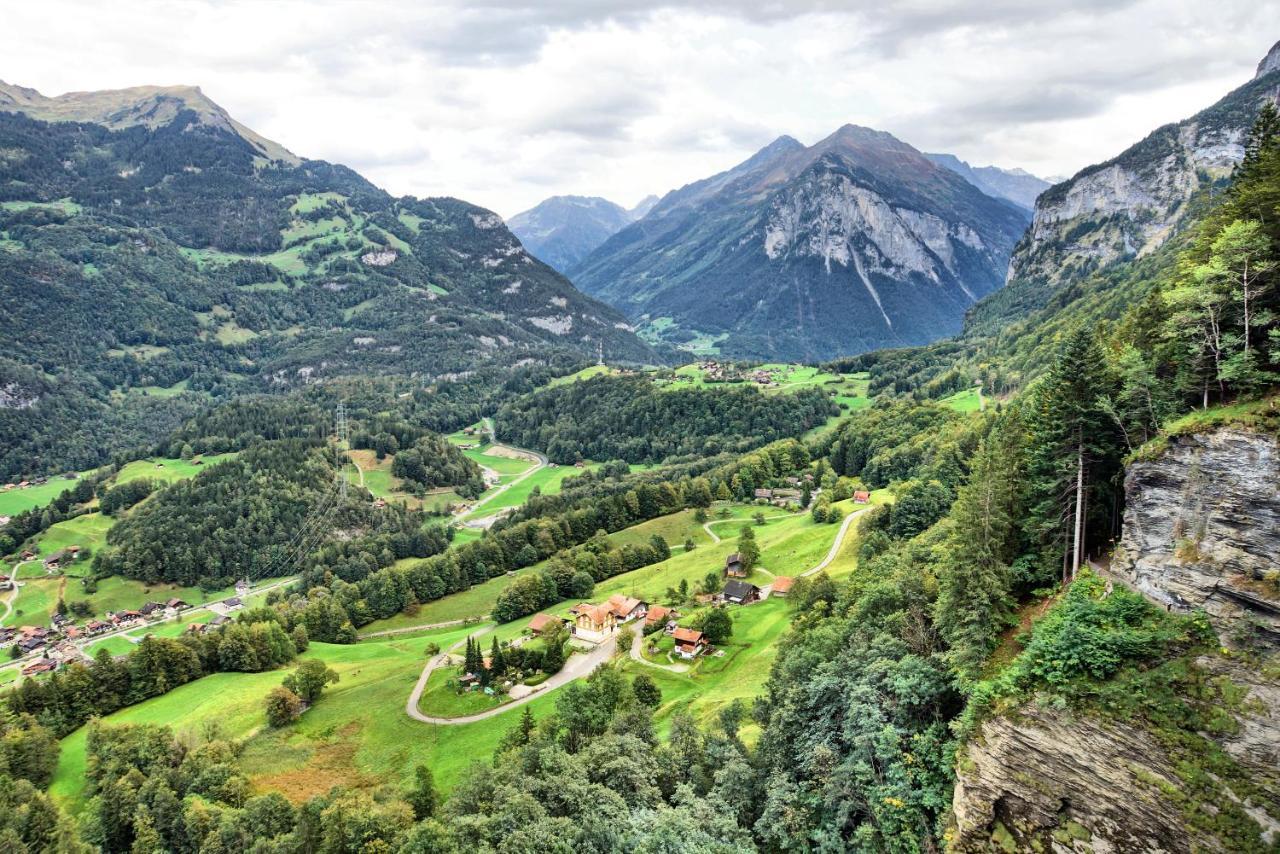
(505, 103)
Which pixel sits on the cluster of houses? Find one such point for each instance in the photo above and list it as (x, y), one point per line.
(57, 643)
(596, 622)
(27, 484)
(725, 372)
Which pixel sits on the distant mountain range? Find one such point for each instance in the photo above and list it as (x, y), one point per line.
(1016, 185)
(562, 230)
(155, 253)
(855, 243)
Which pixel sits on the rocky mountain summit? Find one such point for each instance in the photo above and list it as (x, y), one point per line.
(856, 242)
(1016, 185)
(1128, 206)
(562, 230)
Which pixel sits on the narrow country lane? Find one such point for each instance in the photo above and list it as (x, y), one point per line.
(577, 666)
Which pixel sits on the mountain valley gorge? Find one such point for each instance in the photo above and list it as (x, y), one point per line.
(853, 498)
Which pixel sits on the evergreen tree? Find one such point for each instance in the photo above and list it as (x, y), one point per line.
(1072, 451)
(748, 548)
(973, 603)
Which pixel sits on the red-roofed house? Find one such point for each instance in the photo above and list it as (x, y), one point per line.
(626, 608)
(657, 615)
(689, 642)
(861, 496)
(781, 585)
(541, 622)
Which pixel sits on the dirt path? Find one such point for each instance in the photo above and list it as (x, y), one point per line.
(408, 629)
(578, 665)
(636, 655)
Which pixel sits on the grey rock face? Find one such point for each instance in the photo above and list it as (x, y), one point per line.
(1055, 781)
(1202, 529)
(1130, 205)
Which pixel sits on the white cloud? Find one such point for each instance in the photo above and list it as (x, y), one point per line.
(507, 101)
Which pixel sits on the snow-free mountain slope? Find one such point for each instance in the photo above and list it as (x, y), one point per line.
(854, 243)
(562, 230)
(1015, 185)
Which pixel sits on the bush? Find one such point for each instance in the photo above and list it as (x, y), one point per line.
(283, 707)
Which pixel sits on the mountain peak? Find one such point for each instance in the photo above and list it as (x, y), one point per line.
(1270, 62)
(149, 106)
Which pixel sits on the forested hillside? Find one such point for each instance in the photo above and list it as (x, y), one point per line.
(152, 267)
(632, 419)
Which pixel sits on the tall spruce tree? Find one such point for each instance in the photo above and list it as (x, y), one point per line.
(1072, 451)
(973, 603)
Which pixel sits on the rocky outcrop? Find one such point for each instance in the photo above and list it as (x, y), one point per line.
(1129, 206)
(1202, 530)
(1051, 780)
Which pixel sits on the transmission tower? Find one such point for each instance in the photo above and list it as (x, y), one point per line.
(340, 429)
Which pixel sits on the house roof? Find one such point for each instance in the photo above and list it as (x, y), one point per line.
(782, 583)
(623, 605)
(657, 613)
(861, 495)
(733, 558)
(598, 614)
(540, 622)
(689, 636)
(738, 589)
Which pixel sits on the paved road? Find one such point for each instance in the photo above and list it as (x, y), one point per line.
(577, 666)
(540, 462)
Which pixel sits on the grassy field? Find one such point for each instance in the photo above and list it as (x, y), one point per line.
(168, 469)
(546, 480)
(442, 699)
(88, 531)
(358, 734)
(584, 374)
(716, 681)
(969, 400)
(14, 501)
(37, 597)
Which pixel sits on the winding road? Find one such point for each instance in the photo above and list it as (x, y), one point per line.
(540, 462)
(578, 665)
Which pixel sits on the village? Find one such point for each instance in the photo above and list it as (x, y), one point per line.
(64, 641)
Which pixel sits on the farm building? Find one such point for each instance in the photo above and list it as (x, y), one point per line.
(541, 622)
(689, 642)
(861, 496)
(626, 608)
(740, 592)
(658, 615)
(781, 585)
(733, 567)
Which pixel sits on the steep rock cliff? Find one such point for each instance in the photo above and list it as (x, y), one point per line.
(1202, 530)
(1052, 780)
(1195, 763)
(1131, 204)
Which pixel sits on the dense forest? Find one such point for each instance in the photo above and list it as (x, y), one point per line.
(259, 515)
(152, 272)
(629, 418)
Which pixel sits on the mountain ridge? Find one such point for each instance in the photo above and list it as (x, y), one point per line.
(771, 258)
